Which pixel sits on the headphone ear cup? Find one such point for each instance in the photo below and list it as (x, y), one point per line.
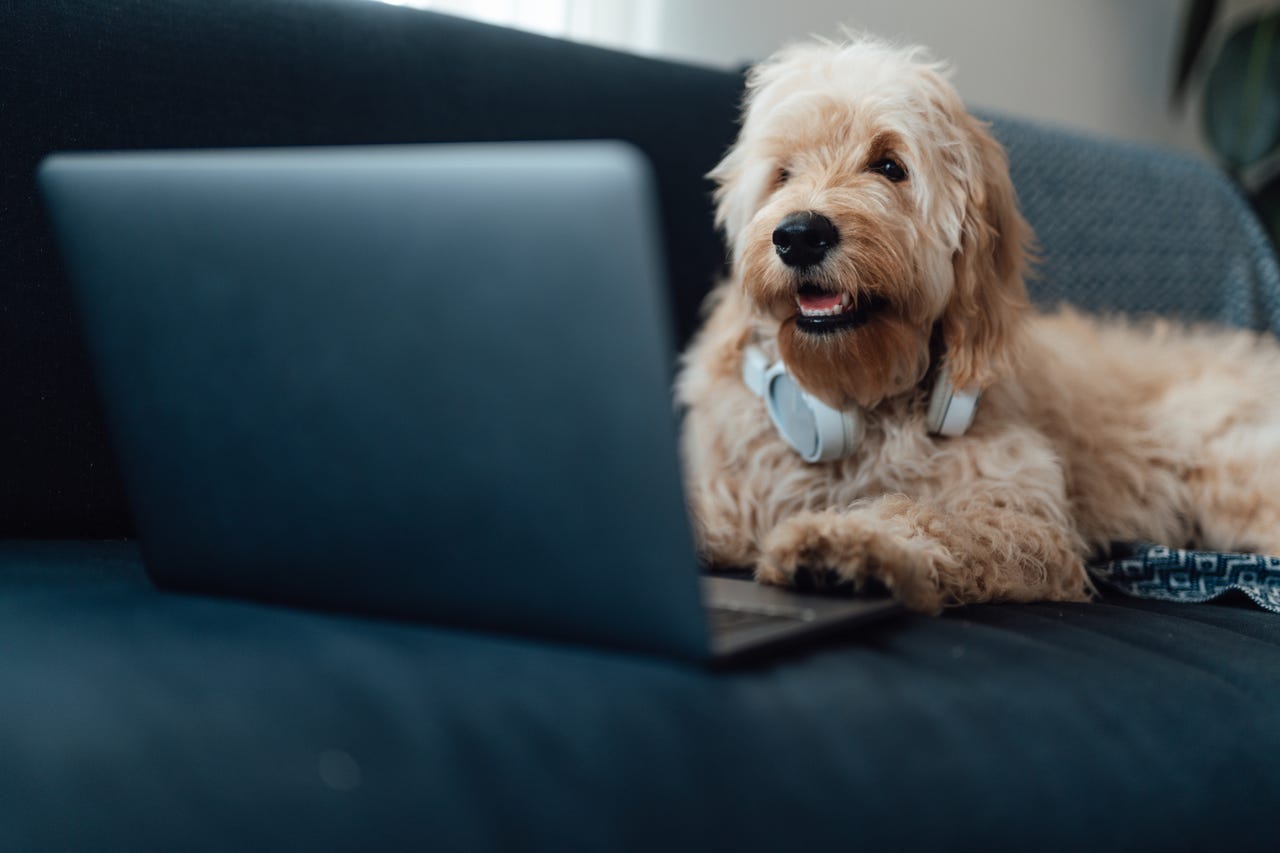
(791, 413)
(813, 429)
(839, 431)
(950, 411)
(816, 431)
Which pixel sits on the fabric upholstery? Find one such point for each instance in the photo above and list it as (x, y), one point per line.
(1126, 228)
(1172, 574)
(161, 721)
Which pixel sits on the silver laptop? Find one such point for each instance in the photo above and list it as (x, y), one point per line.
(423, 382)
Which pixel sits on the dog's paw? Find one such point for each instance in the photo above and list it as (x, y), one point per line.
(843, 550)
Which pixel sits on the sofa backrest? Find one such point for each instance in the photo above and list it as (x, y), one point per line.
(1126, 228)
(81, 74)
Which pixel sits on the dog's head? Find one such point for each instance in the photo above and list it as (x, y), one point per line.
(864, 207)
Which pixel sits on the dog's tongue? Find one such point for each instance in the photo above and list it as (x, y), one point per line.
(818, 301)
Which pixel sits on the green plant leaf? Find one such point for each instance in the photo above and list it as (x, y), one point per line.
(1242, 94)
(1196, 26)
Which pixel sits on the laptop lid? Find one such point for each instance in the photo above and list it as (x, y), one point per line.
(427, 382)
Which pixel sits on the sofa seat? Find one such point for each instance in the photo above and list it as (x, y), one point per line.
(167, 721)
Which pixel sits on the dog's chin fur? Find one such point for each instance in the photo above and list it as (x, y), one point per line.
(884, 357)
(1087, 432)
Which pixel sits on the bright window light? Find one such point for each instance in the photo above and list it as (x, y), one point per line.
(549, 17)
(633, 25)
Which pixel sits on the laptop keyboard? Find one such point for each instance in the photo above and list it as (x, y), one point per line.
(724, 620)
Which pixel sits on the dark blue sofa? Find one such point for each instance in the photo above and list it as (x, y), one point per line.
(136, 719)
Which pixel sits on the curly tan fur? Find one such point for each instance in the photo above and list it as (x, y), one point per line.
(1089, 431)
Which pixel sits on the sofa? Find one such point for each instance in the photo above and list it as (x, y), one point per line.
(135, 718)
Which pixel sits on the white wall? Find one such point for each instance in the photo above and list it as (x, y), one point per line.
(1101, 66)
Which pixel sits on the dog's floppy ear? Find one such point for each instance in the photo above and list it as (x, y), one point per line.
(740, 182)
(732, 212)
(743, 176)
(983, 319)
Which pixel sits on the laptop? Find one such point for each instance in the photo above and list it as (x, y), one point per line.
(423, 382)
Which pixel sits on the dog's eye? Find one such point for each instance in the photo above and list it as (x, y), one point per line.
(890, 168)
(783, 177)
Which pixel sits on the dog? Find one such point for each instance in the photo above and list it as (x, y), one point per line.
(876, 244)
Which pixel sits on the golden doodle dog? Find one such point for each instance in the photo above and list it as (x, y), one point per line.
(877, 251)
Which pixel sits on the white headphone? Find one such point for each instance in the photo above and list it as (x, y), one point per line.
(820, 433)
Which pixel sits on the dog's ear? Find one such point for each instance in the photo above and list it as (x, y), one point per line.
(983, 319)
(743, 176)
(740, 181)
(727, 175)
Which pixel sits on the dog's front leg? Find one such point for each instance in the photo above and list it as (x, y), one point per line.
(930, 554)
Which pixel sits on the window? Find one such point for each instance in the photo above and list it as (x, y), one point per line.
(633, 25)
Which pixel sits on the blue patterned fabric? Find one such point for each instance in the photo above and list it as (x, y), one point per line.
(1171, 574)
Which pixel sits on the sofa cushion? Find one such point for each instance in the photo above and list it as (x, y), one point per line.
(163, 721)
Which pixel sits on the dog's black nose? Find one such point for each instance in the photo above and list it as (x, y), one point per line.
(803, 238)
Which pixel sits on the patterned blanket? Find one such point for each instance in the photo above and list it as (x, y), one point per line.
(1168, 574)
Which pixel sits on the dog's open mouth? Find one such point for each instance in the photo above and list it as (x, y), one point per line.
(824, 310)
